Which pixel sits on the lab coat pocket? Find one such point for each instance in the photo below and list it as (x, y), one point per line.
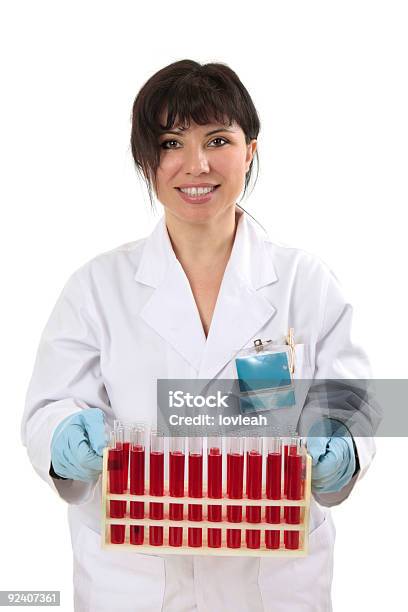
(106, 579)
(304, 583)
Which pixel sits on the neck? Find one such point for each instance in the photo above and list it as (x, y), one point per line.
(203, 244)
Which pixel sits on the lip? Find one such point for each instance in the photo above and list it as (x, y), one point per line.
(186, 185)
(198, 199)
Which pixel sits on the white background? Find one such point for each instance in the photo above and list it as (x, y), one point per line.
(329, 83)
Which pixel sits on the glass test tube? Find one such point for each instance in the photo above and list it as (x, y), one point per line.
(294, 490)
(285, 468)
(195, 488)
(214, 488)
(235, 478)
(117, 508)
(273, 489)
(156, 485)
(137, 481)
(177, 461)
(288, 443)
(120, 425)
(253, 488)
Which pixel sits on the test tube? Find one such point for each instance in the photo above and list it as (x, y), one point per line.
(177, 463)
(117, 508)
(286, 447)
(285, 468)
(294, 490)
(126, 447)
(292, 447)
(137, 481)
(235, 478)
(156, 485)
(195, 488)
(273, 489)
(253, 488)
(214, 488)
(120, 425)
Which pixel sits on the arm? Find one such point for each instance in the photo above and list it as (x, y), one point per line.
(338, 360)
(66, 379)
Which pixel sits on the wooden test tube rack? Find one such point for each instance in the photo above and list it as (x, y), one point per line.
(243, 551)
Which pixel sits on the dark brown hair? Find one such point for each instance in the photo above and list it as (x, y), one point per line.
(205, 93)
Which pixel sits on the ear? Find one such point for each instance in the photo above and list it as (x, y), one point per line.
(251, 148)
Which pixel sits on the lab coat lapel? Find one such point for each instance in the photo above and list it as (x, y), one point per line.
(241, 309)
(171, 310)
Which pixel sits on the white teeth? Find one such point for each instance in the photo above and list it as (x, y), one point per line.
(197, 191)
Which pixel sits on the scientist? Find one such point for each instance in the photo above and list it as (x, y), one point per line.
(180, 304)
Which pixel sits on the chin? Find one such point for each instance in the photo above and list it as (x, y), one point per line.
(196, 213)
(193, 213)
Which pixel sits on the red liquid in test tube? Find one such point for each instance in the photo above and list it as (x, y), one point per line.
(235, 480)
(176, 487)
(195, 489)
(289, 449)
(156, 485)
(137, 482)
(126, 447)
(253, 489)
(285, 468)
(228, 471)
(273, 489)
(125, 452)
(294, 491)
(117, 508)
(214, 489)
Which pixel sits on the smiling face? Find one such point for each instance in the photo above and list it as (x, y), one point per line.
(208, 155)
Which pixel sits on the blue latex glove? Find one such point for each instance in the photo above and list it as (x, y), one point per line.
(77, 445)
(333, 459)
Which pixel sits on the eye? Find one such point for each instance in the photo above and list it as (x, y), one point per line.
(165, 142)
(219, 138)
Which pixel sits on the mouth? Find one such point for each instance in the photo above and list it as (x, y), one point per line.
(203, 197)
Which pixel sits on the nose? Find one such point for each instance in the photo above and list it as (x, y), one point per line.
(195, 160)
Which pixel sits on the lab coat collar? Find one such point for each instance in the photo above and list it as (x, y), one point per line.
(248, 253)
(241, 309)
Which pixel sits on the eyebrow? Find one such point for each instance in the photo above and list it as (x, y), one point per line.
(180, 130)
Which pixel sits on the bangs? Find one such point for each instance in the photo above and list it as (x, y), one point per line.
(196, 101)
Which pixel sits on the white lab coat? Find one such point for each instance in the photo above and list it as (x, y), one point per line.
(128, 317)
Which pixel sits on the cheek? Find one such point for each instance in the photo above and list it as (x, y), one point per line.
(168, 166)
(232, 167)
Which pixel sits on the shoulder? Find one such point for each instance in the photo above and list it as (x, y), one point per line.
(127, 253)
(114, 264)
(297, 261)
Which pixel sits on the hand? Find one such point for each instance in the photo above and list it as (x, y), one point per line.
(333, 457)
(77, 445)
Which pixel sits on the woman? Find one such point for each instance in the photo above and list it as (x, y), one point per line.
(180, 304)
